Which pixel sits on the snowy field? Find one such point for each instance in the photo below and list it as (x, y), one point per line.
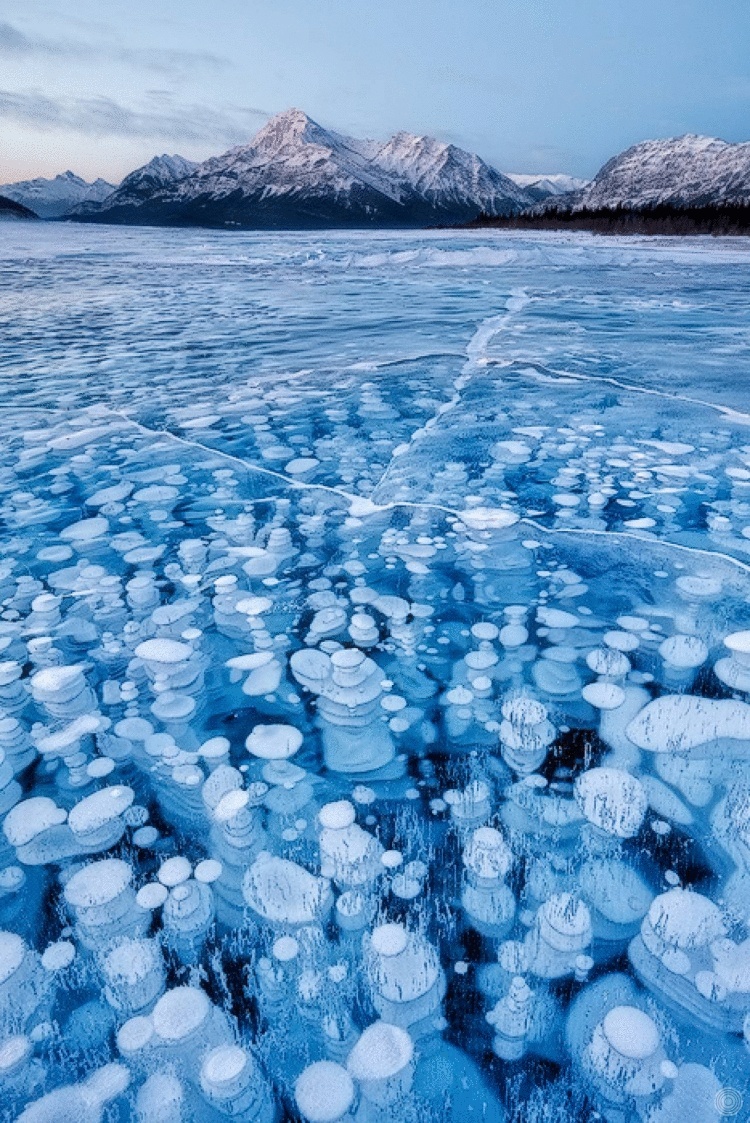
(374, 677)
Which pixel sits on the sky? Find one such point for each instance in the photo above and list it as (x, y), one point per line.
(531, 85)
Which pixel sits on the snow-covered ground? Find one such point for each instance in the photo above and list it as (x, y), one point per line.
(375, 676)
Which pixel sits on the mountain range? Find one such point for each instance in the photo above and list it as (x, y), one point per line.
(139, 186)
(53, 198)
(686, 184)
(295, 174)
(539, 187)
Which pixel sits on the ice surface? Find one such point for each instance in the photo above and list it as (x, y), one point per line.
(374, 677)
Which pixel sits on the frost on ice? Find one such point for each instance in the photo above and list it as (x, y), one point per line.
(374, 748)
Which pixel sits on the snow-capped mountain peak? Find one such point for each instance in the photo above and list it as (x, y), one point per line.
(442, 171)
(291, 128)
(546, 186)
(684, 171)
(295, 172)
(141, 184)
(51, 198)
(158, 172)
(292, 156)
(413, 158)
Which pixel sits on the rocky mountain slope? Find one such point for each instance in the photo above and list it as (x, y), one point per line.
(686, 171)
(10, 209)
(673, 178)
(140, 185)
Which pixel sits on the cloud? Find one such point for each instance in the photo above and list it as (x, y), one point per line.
(159, 118)
(16, 44)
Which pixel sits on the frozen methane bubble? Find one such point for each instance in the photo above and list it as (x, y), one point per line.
(101, 897)
(324, 1093)
(160, 1099)
(682, 657)
(348, 688)
(612, 800)
(22, 983)
(134, 975)
(349, 855)
(382, 1063)
(232, 1082)
(85, 1102)
(525, 734)
(284, 894)
(96, 821)
(614, 804)
(187, 916)
(625, 1055)
(185, 1024)
(488, 902)
(734, 669)
(84, 532)
(265, 674)
(686, 956)
(520, 1019)
(603, 695)
(561, 933)
(692, 726)
(407, 983)
(694, 1092)
(34, 827)
(274, 742)
(62, 691)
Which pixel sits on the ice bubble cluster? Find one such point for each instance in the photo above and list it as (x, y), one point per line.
(358, 766)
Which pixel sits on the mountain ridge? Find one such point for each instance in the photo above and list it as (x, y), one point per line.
(682, 173)
(689, 184)
(11, 210)
(52, 198)
(541, 187)
(685, 171)
(295, 173)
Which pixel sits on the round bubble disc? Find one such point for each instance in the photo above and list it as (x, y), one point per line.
(274, 742)
(285, 949)
(324, 1092)
(208, 871)
(152, 895)
(59, 955)
(337, 816)
(389, 939)
(631, 1032)
(174, 871)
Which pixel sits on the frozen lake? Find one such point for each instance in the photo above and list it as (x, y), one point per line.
(375, 676)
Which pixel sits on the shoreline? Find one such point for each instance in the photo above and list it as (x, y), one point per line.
(671, 223)
(731, 221)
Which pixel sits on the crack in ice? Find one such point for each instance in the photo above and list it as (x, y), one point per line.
(738, 416)
(476, 357)
(360, 506)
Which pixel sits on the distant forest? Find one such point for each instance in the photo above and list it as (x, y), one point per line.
(661, 219)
